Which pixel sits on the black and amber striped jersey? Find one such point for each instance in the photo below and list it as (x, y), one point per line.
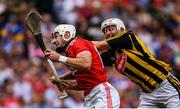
(140, 65)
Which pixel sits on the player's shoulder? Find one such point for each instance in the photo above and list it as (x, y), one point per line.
(80, 40)
(78, 43)
(122, 33)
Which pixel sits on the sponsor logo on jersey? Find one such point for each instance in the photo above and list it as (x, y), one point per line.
(121, 62)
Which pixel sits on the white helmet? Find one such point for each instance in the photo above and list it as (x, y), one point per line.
(63, 28)
(113, 21)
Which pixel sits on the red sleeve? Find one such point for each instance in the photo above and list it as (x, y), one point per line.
(80, 46)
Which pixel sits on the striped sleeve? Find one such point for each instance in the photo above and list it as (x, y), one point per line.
(121, 41)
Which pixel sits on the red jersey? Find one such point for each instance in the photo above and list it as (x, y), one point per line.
(87, 79)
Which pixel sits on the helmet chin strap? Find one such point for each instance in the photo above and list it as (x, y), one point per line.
(62, 49)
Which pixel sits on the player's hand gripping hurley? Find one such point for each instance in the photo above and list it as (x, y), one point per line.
(33, 21)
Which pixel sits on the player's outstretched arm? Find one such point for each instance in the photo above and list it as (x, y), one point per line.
(123, 42)
(82, 61)
(101, 45)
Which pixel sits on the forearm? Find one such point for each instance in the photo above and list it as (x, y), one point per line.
(74, 85)
(76, 88)
(82, 61)
(78, 63)
(71, 84)
(101, 45)
(67, 75)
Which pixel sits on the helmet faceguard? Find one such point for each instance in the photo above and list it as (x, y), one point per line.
(113, 21)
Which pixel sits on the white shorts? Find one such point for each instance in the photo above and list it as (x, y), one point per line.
(103, 95)
(166, 96)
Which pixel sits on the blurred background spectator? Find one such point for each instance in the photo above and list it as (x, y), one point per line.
(24, 72)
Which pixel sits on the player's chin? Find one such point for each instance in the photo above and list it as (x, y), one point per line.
(108, 36)
(60, 49)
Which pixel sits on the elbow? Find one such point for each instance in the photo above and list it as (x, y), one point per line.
(86, 63)
(87, 67)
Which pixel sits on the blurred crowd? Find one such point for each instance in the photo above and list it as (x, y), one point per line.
(24, 72)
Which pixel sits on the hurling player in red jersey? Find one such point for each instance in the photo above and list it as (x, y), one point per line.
(86, 67)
